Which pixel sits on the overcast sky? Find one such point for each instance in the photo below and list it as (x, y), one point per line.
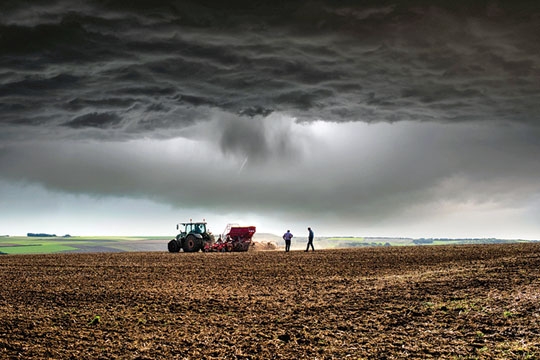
(365, 118)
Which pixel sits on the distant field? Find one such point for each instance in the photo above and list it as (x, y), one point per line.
(50, 245)
(78, 244)
(341, 242)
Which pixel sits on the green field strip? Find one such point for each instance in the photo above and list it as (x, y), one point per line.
(35, 249)
(14, 245)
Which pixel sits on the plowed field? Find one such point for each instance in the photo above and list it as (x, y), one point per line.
(459, 302)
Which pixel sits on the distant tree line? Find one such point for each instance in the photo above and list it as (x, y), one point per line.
(40, 235)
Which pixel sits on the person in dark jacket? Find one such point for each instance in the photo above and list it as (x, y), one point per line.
(310, 240)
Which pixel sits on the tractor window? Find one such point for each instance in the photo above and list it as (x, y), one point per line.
(196, 228)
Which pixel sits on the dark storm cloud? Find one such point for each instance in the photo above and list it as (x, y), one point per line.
(99, 120)
(227, 77)
(173, 62)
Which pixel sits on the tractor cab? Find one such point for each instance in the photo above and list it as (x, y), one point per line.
(189, 228)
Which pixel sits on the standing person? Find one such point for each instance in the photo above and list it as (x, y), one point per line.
(310, 240)
(287, 237)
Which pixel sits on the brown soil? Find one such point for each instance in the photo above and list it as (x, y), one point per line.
(459, 302)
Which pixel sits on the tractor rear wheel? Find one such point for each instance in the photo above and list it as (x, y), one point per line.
(173, 246)
(192, 243)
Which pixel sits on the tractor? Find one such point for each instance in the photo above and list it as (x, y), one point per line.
(192, 238)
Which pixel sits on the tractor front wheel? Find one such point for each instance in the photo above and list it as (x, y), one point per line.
(192, 243)
(173, 246)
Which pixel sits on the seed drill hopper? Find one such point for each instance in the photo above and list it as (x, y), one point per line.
(234, 238)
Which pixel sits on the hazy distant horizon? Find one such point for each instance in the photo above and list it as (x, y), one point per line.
(262, 237)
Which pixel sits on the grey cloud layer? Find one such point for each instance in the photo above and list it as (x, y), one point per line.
(370, 175)
(139, 69)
